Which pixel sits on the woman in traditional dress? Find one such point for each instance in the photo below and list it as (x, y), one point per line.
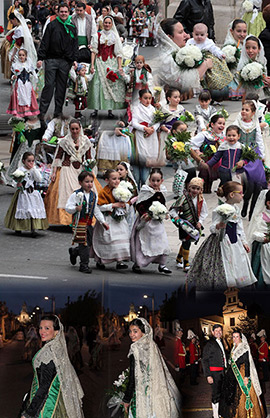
(172, 37)
(107, 89)
(240, 396)
(56, 390)
(72, 151)
(16, 5)
(253, 17)
(156, 393)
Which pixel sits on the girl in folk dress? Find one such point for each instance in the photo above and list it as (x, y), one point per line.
(200, 143)
(258, 235)
(149, 242)
(113, 244)
(138, 78)
(222, 259)
(125, 174)
(26, 211)
(23, 101)
(147, 146)
(253, 177)
(204, 111)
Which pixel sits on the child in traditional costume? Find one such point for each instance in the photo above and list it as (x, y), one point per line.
(259, 236)
(79, 88)
(229, 152)
(26, 211)
(138, 78)
(204, 145)
(253, 177)
(204, 111)
(191, 207)
(149, 242)
(222, 260)
(126, 175)
(112, 244)
(253, 17)
(23, 101)
(147, 145)
(237, 31)
(83, 205)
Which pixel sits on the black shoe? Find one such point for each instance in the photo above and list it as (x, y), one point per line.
(34, 234)
(85, 270)
(72, 256)
(110, 114)
(164, 270)
(121, 266)
(244, 209)
(100, 266)
(136, 269)
(18, 232)
(94, 114)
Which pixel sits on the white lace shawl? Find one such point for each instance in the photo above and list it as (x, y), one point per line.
(156, 393)
(238, 351)
(67, 144)
(28, 43)
(147, 192)
(56, 350)
(244, 59)
(170, 73)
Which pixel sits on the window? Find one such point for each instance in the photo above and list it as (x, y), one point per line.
(232, 322)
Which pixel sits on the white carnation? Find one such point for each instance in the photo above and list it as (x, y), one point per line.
(189, 55)
(79, 198)
(122, 193)
(126, 184)
(226, 210)
(189, 61)
(248, 6)
(18, 173)
(229, 51)
(158, 210)
(252, 71)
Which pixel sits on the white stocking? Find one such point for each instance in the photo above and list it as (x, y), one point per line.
(215, 410)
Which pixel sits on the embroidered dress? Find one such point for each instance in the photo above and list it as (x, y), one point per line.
(137, 80)
(113, 244)
(23, 101)
(153, 389)
(220, 264)
(237, 399)
(105, 94)
(26, 211)
(78, 90)
(68, 160)
(203, 116)
(149, 242)
(254, 20)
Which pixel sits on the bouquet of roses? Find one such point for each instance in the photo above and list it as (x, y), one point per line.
(112, 75)
(251, 75)
(226, 212)
(249, 154)
(117, 392)
(232, 55)
(188, 57)
(187, 117)
(158, 211)
(18, 176)
(89, 164)
(208, 151)
(177, 146)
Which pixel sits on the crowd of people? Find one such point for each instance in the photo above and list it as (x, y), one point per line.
(88, 54)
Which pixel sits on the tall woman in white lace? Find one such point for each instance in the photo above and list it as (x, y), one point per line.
(172, 37)
(241, 387)
(156, 393)
(56, 390)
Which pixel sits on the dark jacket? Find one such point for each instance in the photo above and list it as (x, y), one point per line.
(34, 12)
(190, 12)
(229, 158)
(265, 39)
(57, 43)
(212, 357)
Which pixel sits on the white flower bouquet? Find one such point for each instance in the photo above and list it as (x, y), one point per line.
(251, 75)
(232, 55)
(188, 57)
(226, 212)
(79, 198)
(89, 164)
(18, 176)
(158, 211)
(122, 193)
(117, 392)
(247, 6)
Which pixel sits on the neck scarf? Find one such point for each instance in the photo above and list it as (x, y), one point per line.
(67, 23)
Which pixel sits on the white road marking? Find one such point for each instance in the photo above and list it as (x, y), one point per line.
(17, 276)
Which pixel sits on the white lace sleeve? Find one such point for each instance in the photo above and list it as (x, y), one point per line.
(197, 141)
(50, 130)
(216, 219)
(204, 212)
(106, 208)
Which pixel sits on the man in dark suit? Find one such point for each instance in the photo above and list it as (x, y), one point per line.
(214, 364)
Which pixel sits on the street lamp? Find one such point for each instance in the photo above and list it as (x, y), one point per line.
(153, 308)
(52, 298)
